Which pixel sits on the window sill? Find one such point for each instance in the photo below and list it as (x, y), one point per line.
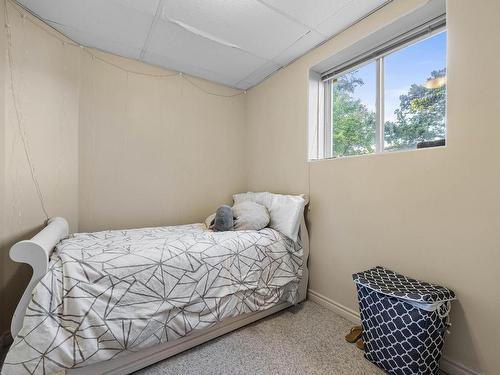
(375, 154)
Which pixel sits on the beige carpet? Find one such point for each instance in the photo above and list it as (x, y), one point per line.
(307, 339)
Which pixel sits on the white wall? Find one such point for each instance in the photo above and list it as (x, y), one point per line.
(46, 84)
(433, 214)
(155, 151)
(3, 234)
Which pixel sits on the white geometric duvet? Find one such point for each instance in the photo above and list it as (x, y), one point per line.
(110, 292)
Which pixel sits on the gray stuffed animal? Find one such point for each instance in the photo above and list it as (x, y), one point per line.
(224, 219)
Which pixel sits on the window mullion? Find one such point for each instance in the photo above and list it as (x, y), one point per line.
(382, 103)
(327, 129)
(379, 120)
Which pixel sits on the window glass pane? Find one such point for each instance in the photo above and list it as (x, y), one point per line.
(415, 94)
(353, 112)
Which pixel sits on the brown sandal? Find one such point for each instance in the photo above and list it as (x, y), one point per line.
(360, 344)
(354, 334)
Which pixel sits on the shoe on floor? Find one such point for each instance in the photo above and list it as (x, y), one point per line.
(354, 334)
(360, 344)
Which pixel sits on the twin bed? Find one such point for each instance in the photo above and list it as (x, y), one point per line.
(113, 302)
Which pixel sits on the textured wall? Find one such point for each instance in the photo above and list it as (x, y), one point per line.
(3, 318)
(432, 214)
(46, 81)
(155, 151)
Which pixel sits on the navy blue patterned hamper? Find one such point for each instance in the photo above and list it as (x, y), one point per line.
(404, 321)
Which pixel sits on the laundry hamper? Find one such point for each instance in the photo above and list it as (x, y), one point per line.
(404, 321)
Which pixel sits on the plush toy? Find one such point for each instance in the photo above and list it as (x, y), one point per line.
(224, 219)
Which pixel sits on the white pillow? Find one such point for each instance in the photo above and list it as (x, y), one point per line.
(285, 210)
(250, 216)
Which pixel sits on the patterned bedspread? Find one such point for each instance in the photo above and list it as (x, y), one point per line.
(110, 292)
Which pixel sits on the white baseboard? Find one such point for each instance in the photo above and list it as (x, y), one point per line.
(343, 311)
(447, 365)
(452, 367)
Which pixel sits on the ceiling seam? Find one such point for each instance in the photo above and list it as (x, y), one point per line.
(151, 27)
(275, 62)
(386, 2)
(202, 34)
(50, 24)
(294, 43)
(290, 18)
(159, 12)
(215, 39)
(325, 37)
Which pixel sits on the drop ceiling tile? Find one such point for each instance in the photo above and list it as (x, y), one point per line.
(300, 47)
(109, 22)
(61, 8)
(183, 67)
(89, 39)
(349, 14)
(259, 74)
(176, 43)
(243, 85)
(248, 24)
(144, 6)
(233, 42)
(311, 12)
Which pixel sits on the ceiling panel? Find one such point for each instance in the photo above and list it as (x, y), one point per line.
(247, 24)
(174, 42)
(349, 14)
(310, 13)
(258, 75)
(182, 66)
(96, 41)
(145, 6)
(301, 46)
(234, 42)
(100, 24)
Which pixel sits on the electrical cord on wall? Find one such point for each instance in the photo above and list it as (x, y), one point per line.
(65, 42)
(19, 119)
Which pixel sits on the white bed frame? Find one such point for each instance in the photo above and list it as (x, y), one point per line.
(36, 252)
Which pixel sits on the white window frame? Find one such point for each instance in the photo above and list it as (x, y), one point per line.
(324, 147)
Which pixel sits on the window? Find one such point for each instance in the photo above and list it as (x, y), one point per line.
(415, 94)
(392, 100)
(353, 111)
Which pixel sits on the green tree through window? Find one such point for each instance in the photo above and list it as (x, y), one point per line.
(413, 100)
(420, 116)
(353, 129)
